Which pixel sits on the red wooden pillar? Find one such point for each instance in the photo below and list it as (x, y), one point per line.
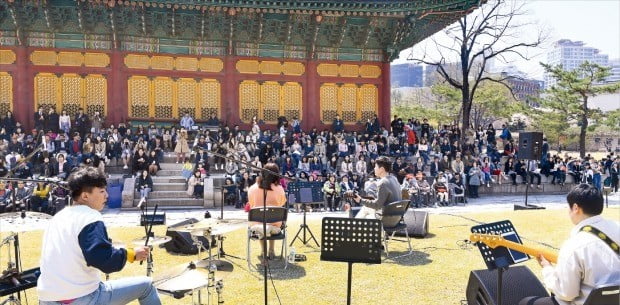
(117, 90)
(385, 101)
(230, 98)
(23, 84)
(311, 104)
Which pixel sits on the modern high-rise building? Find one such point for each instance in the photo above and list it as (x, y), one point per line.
(407, 75)
(615, 71)
(570, 54)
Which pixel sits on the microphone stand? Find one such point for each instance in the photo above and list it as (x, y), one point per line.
(263, 171)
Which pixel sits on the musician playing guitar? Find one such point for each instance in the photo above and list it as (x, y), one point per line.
(589, 258)
(388, 190)
(76, 248)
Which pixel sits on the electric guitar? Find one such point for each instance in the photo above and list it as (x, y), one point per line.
(494, 241)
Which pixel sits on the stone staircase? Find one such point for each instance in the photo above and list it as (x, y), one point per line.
(169, 189)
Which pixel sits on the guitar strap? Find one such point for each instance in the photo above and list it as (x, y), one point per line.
(613, 245)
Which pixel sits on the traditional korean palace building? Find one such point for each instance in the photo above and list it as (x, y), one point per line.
(154, 60)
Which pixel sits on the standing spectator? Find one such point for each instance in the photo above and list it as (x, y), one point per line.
(544, 151)
(97, 122)
(491, 135)
(52, 120)
(40, 117)
(9, 123)
(81, 122)
(64, 122)
(506, 135)
(475, 179)
(337, 125)
(187, 122)
(182, 147)
(614, 172)
(144, 184)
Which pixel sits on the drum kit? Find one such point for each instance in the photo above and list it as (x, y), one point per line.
(179, 281)
(14, 279)
(201, 274)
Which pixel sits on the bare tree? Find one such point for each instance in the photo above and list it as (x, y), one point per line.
(493, 32)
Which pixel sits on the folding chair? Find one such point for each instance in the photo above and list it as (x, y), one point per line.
(272, 214)
(453, 195)
(392, 221)
(604, 295)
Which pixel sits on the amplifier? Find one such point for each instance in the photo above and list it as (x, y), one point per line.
(157, 219)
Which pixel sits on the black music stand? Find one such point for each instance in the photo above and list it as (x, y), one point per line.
(352, 241)
(498, 258)
(305, 196)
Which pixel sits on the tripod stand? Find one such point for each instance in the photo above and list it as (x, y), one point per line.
(303, 228)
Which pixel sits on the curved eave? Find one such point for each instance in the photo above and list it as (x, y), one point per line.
(328, 7)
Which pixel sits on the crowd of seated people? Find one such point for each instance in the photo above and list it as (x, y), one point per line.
(432, 164)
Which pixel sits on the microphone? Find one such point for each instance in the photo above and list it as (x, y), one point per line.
(141, 203)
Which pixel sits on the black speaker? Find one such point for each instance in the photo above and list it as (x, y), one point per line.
(182, 242)
(530, 145)
(157, 219)
(417, 223)
(518, 282)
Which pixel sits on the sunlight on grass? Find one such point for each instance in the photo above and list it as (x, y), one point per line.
(436, 273)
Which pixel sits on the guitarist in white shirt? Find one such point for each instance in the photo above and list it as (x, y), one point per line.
(587, 259)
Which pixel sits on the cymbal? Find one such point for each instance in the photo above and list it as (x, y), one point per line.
(188, 280)
(220, 265)
(208, 223)
(153, 241)
(10, 217)
(221, 230)
(204, 224)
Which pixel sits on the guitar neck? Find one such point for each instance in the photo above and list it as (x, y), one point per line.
(550, 256)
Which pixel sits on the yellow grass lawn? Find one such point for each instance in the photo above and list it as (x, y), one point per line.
(436, 273)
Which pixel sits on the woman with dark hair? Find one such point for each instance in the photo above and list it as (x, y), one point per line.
(331, 189)
(140, 161)
(144, 183)
(195, 186)
(268, 184)
(153, 162)
(9, 123)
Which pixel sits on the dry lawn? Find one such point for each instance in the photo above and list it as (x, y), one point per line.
(436, 273)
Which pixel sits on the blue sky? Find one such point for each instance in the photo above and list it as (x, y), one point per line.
(595, 22)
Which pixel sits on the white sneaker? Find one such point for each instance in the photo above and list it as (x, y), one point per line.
(125, 167)
(177, 162)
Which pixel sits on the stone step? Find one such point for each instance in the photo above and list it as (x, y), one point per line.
(169, 187)
(508, 188)
(167, 179)
(118, 170)
(166, 172)
(163, 202)
(165, 194)
(171, 166)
